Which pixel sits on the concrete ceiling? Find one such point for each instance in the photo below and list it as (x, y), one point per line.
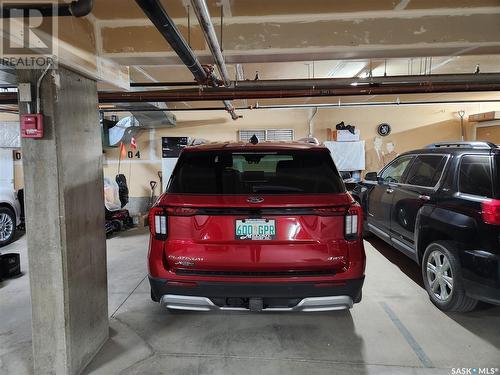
(315, 38)
(289, 39)
(297, 30)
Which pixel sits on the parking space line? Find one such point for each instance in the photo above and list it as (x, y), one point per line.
(408, 336)
(125, 300)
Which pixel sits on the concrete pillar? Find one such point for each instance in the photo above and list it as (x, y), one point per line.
(65, 224)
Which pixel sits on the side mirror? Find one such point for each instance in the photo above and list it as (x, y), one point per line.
(371, 176)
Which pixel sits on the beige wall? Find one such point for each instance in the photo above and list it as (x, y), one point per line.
(490, 133)
(412, 127)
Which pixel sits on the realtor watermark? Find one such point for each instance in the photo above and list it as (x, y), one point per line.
(475, 371)
(29, 34)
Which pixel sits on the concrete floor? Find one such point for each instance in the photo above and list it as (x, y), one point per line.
(394, 330)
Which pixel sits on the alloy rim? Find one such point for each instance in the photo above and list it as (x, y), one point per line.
(6, 227)
(440, 276)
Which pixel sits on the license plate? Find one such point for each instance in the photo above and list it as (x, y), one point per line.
(255, 229)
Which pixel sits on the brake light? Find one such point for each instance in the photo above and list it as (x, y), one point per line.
(158, 223)
(491, 211)
(352, 222)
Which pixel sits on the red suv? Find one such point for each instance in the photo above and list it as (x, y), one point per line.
(265, 226)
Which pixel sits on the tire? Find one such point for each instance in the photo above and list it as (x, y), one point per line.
(7, 226)
(443, 280)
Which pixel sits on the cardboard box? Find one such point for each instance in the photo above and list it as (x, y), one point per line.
(329, 136)
(140, 220)
(485, 116)
(345, 136)
(144, 220)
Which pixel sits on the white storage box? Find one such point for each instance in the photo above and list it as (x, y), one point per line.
(346, 136)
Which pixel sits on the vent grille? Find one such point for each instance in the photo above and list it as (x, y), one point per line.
(274, 135)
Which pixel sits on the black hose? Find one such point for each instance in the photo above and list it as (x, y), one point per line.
(81, 8)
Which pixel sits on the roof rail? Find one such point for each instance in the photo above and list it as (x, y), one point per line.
(311, 140)
(462, 144)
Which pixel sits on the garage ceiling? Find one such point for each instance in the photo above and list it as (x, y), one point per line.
(282, 39)
(315, 38)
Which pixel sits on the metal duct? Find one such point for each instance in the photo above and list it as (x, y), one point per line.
(150, 115)
(149, 120)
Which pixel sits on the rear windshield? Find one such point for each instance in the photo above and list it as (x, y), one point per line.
(231, 172)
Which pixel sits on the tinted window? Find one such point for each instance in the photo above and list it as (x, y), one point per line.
(395, 171)
(228, 172)
(475, 176)
(426, 170)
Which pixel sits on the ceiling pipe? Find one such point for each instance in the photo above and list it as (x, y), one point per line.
(201, 10)
(162, 84)
(77, 8)
(330, 82)
(166, 26)
(223, 93)
(81, 8)
(336, 87)
(293, 106)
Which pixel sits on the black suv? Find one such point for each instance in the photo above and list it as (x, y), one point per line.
(441, 207)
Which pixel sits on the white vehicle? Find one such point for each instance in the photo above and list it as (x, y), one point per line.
(10, 215)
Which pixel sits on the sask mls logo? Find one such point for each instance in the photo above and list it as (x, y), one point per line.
(28, 34)
(474, 371)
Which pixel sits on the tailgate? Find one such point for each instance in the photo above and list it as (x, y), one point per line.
(236, 237)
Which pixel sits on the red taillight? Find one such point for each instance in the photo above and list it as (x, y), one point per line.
(491, 211)
(158, 222)
(158, 219)
(353, 222)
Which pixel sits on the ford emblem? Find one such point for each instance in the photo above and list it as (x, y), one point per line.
(255, 200)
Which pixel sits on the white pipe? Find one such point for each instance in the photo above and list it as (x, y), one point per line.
(311, 126)
(201, 10)
(38, 84)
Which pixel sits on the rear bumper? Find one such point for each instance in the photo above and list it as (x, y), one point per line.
(283, 296)
(310, 304)
(481, 273)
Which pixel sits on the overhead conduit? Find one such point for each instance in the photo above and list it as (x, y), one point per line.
(316, 88)
(328, 87)
(159, 17)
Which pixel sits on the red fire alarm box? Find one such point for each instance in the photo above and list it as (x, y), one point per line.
(32, 126)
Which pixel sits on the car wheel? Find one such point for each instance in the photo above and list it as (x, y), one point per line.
(443, 278)
(7, 226)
